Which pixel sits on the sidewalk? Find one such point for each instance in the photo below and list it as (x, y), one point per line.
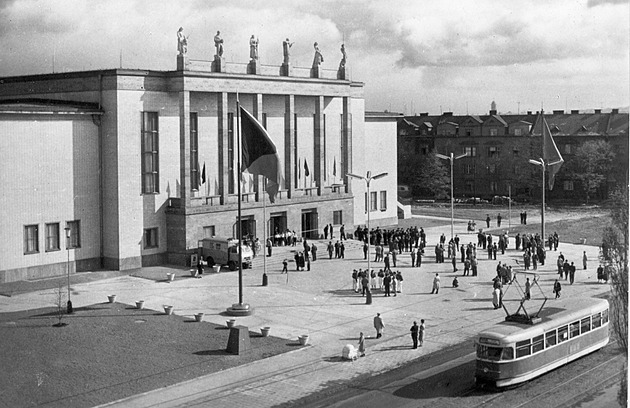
(320, 303)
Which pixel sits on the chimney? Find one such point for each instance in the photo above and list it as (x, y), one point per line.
(424, 113)
(615, 111)
(558, 112)
(529, 112)
(598, 111)
(493, 111)
(447, 114)
(575, 111)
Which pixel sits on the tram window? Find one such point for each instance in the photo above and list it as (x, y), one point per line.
(523, 348)
(490, 353)
(585, 325)
(538, 344)
(574, 329)
(605, 316)
(597, 320)
(551, 338)
(508, 353)
(563, 334)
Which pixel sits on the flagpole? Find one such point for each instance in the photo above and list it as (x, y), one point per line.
(542, 211)
(264, 243)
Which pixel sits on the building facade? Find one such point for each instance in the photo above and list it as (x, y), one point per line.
(140, 165)
(499, 148)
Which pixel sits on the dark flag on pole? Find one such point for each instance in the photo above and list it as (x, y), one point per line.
(259, 154)
(335, 166)
(551, 155)
(306, 172)
(203, 174)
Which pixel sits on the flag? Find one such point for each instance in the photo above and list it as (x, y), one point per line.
(335, 166)
(306, 172)
(259, 154)
(202, 178)
(551, 155)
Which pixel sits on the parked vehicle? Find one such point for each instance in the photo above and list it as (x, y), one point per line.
(475, 200)
(224, 251)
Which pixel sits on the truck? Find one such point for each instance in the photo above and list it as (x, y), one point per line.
(224, 251)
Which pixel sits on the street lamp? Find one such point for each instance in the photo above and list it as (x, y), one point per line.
(452, 158)
(67, 229)
(368, 178)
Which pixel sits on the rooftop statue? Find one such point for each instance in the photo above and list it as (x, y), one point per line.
(182, 42)
(286, 50)
(218, 44)
(318, 58)
(253, 48)
(342, 63)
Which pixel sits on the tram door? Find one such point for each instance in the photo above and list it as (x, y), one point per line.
(309, 224)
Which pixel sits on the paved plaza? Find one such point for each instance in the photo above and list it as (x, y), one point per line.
(322, 304)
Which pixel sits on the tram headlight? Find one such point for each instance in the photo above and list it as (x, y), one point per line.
(485, 370)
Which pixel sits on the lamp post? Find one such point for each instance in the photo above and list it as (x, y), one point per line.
(540, 162)
(452, 158)
(368, 178)
(67, 229)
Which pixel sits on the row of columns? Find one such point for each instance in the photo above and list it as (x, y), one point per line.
(289, 144)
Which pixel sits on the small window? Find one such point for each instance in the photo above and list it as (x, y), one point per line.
(550, 338)
(523, 348)
(373, 201)
(538, 344)
(574, 329)
(508, 353)
(493, 151)
(73, 236)
(563, 334)
(494, 186)
(518, 132)
(471, 151)
(494, 132)
(568, 185)
(597, 320)
(567, 149)
(208, 232)
(468, 168)
(515, 151)
(337, 217)
(605, 316)
(52, 237)
(150, 238)
(31, 239)
(585, 325)
(383, 200)
(489, 353)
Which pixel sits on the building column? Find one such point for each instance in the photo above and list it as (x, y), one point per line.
(319, 145)
(259, 181)
(184, 147)
(222, 117)
(346, 142)
(289, 144)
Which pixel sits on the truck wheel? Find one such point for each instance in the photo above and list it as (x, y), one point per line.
(232, 265)
(210, 261)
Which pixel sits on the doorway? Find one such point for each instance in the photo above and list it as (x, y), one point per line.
(309, 224)
(248, 227)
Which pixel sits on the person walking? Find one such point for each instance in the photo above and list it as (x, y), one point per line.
(584, 259)
(314, 252)
(571, 273)
(362, 344)
(378, 325)
(454, 262)
(285, 263)
(399, 281)
(436, 284)
(557, 287)
(499, 218)
(421, 333)
(386, 282)
(269, 246)
(487, 220)
(330, 247)
(528, 286)
(414, 334)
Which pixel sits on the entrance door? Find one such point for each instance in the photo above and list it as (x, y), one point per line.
(309, 224)
(248, 227)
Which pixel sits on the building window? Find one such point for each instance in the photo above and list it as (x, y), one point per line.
(471, 151)
(337, 217)
(150, 153)
(518, 132)
(494, 132)
(468, 168)
(74, 240)
(52, 237)
(468, 132)
(568, 185)
(492, 168)
(493, 151)
(515, 151)
(151, 238)
(208, 232)
(195, 175)
(230, 161)
(469, 186)
(383, 200)
(567, 149)
(424, 150)
(373, 201)
(494, 186)
(31, 239)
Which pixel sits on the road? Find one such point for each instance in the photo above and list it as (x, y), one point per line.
(446, 380)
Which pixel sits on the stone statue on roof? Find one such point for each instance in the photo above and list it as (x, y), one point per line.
(218, 44)
(318, 58)
(182, 42)
(286, 50)
(342, 63)
(253, 48)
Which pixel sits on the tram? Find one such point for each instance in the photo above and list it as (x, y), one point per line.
(511, 353)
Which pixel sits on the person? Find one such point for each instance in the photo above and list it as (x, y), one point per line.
(436, 284)
(326, 231)
(365, 250)
(454, 262)
(455, 282)
(372, 279)
(381, 275)
(200, 267)
(414, 251)
(314, 252)
(269, 245)
(386, 282)
(600, 274)
(182, 42)
(571, 273)
(285, 263)
(218, 44)
(365, 282)
(342, 63)
(318, 58)
(332, 231)
(342, 232)
(330, 247)
(378, 325)
(487, 220)
(496, 292)
(414, 334)
(584, 259)
(394, 283)
(421, 333)
(557, 288)
(525, 217)
(499, 220)
(286, 52)
(362, 344)
(528, 286)
(253, 48)
(399, 281)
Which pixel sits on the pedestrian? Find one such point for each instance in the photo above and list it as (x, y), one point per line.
(487, 220)
(436, 284)
(200, 267)
(314, 252)
(372, 279)
(365, 250)
(528, 286)
(399, 281)
(326, 231)
(269, 245)
(362, 344)
(342, 232)
(378, 325)
(381, 275)
(494, 251)
(332, 232)
(557, 288)
(584, 259)
(330, 247)
(414, 334)
(571, 273)
(600, 274)
(455, 282)
(355, 281)
(499, 220)
(413, 256)
(365, 282)
(473, 266)
(285, 263)
(421, 333)
(394, 283)
(454, 262)
(386, 282)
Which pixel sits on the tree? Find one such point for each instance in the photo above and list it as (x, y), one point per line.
(591, 164)
(429, 177)
(614, 257)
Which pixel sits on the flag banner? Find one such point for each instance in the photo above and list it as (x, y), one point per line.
(335, 166)
(306, 172)
(551, 155)
(259, 154)
(203, 174)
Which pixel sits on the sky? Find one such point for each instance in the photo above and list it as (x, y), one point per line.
(413, 55)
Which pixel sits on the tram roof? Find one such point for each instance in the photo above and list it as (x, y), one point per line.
(559, 313)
